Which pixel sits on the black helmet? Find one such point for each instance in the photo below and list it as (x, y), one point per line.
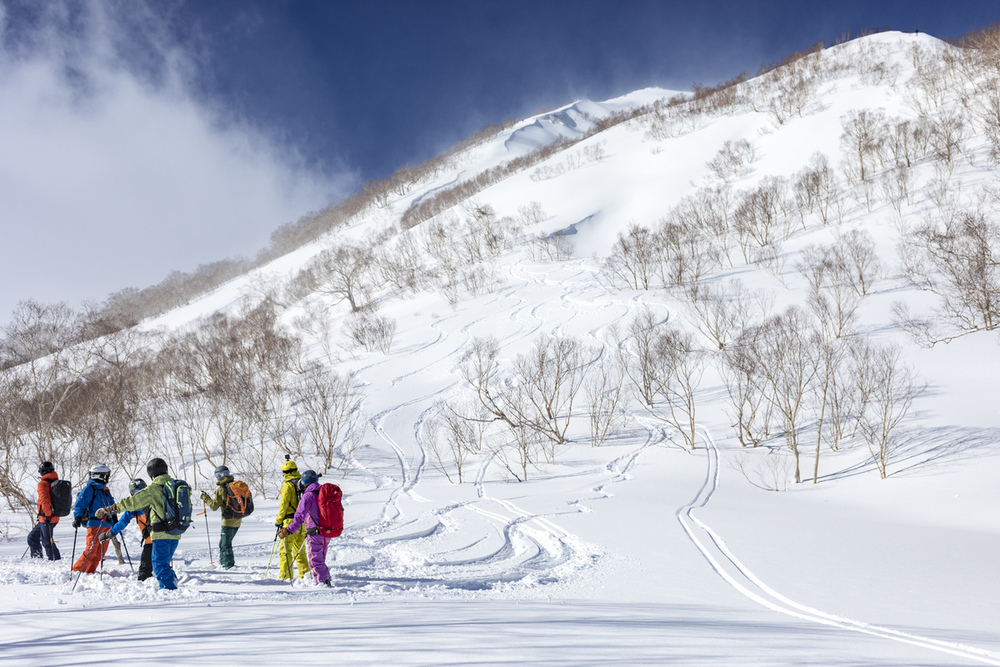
(136, 485)
(308, 477)
(156, 467)
(46, 467)
(100, 473)
(221, 471)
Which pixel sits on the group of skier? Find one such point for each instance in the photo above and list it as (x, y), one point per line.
(298, 523)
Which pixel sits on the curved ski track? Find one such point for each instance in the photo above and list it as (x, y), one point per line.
(728, 566)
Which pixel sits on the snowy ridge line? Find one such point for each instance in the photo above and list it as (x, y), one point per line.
(717, 553)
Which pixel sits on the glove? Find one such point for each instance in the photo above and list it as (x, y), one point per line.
(105, 536)
(100, 513)
(283, 533)
(205, 497)
(77, 521)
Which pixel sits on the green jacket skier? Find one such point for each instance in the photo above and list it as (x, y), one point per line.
(151, 497)
(164, 544)
(229, 525)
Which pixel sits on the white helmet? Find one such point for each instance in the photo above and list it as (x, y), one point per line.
(100, 473)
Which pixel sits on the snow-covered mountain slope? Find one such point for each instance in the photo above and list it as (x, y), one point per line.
(642, 549)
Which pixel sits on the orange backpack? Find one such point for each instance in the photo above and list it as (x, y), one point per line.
(239, 502)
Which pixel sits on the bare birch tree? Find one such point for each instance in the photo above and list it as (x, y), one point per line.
(633, 258)
(892, 387)
(961, 264)
(453, 439)
(345, 273)
(606, 399)
(789, 368)
(329, 403)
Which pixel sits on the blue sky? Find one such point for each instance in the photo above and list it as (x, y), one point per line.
(142, 137)
(379, 84)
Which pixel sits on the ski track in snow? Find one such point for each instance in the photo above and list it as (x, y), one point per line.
(728, 566)
(476, 544)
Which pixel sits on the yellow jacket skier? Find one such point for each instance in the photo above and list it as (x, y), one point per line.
(293, 546)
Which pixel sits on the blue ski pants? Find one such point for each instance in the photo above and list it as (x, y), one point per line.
(163, 553)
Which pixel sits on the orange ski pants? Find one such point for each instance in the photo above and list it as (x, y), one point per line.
(93, 553)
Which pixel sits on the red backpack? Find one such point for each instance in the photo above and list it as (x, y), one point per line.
(331, 511)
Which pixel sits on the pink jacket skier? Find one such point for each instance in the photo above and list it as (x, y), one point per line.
(308, 514)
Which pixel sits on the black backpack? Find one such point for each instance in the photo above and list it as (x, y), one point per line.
(61, 496)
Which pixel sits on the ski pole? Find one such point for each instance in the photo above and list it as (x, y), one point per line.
(208, 535)
(85, 555)
(291, 561)
(274, 543)
(127, 555)
(76, 530)
(103, 544)
(286, 549)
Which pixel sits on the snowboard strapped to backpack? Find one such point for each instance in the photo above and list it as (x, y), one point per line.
(239, 502)
(176, 508)
(330, 522)
(61, 497)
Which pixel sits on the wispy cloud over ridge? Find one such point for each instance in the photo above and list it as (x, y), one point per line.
(114, 171)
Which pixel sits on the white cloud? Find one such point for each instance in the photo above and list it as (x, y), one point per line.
(113, 173)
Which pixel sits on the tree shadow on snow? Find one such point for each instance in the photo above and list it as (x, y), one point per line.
(930, 451)
(426, 632)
